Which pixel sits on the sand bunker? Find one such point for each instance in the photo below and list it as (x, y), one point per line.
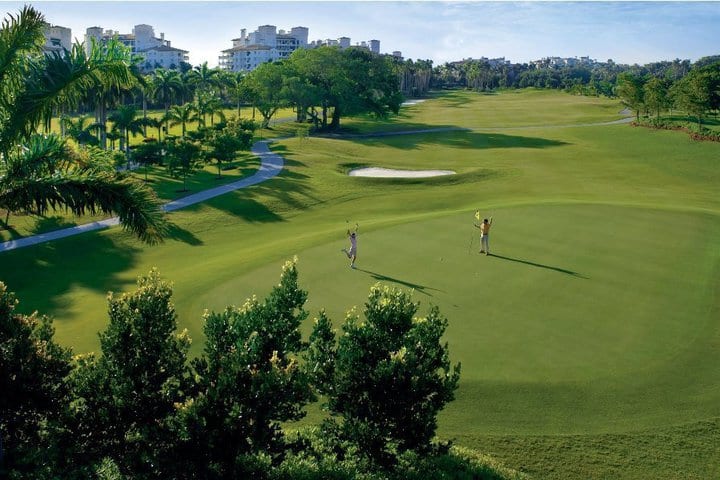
(390, 173)
(413, 102)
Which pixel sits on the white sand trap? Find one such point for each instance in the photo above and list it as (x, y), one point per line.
(413, 102)
(391, 173)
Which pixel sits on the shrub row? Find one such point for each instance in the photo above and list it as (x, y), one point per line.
(142, 409)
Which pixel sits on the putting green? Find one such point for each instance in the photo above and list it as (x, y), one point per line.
(586, 318)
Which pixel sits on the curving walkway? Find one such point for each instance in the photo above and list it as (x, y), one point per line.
(270, 165)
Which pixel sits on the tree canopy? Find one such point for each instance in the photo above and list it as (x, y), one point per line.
(37, 172)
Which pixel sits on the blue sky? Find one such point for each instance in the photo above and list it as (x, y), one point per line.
(627, 32)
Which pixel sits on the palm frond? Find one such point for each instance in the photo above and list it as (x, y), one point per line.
(136, 205)
(19, 35)
(61, 79)
(41, 155)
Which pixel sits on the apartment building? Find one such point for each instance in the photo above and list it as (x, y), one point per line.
(557, 62)
(344, 42)
(57, 38)
(267, 44)
(156, 52)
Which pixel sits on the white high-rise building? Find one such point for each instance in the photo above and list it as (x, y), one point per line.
(156, 52)
(267, 44)
(288, 42)
(57, 38)
(263, 45)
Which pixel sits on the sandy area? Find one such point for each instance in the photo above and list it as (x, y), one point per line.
(390, 173)
(413, 102)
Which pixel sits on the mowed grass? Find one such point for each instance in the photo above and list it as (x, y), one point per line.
(589, 341)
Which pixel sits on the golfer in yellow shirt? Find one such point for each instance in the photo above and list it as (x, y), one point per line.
(485, 235)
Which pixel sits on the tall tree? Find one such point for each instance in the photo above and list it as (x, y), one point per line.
(206, 103)
(348, 82)
(126, 122)
(36, 172)
(166, 86)
(203, 77)
(389, 375)
(127, 397)
(694, 93)
(234, 84)
(630, 90)
(223, 145)
(81, 129)
(106, 92)
(656, 95)
(181, 115)
(183, 157)
(33, 369)
(249, 382)
(265, 84)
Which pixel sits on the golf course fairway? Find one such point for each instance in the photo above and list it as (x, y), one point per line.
(589, 339)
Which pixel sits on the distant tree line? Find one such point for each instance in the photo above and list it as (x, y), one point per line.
(648, 90)
(143, 409)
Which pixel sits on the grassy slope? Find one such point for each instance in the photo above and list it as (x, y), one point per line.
(592, 324)
(167, 187)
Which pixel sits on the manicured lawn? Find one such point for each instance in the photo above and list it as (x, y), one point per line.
(588, 342)
(167, 187)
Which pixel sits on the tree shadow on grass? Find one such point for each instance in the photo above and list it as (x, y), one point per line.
(411, 135)
(464, 139)
(241, 204)
(182, 235)
(92, 261)
(539, 265)
(384, 278)
(48, 224)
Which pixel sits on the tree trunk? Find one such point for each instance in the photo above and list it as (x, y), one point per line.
(101, 120)
(144, 104)
(335, 124)
(127, 149)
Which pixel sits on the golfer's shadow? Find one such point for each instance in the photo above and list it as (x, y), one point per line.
(384, 278)
(539, 265)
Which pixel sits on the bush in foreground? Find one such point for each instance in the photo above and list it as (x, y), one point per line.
(140, 410)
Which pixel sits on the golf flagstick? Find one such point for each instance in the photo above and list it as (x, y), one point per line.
(472, 233)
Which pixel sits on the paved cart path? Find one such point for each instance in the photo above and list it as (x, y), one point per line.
(271, 164)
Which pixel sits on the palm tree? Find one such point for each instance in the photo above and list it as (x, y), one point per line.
(166, 85)
(76, 128)
(113, 136)
(103, 93)
(37, 173)
(215, 106)
(125, 121)
(156, 123)
(181, 115)
(142, 87)
(236, 90)
(208, 103)
(204, 78)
